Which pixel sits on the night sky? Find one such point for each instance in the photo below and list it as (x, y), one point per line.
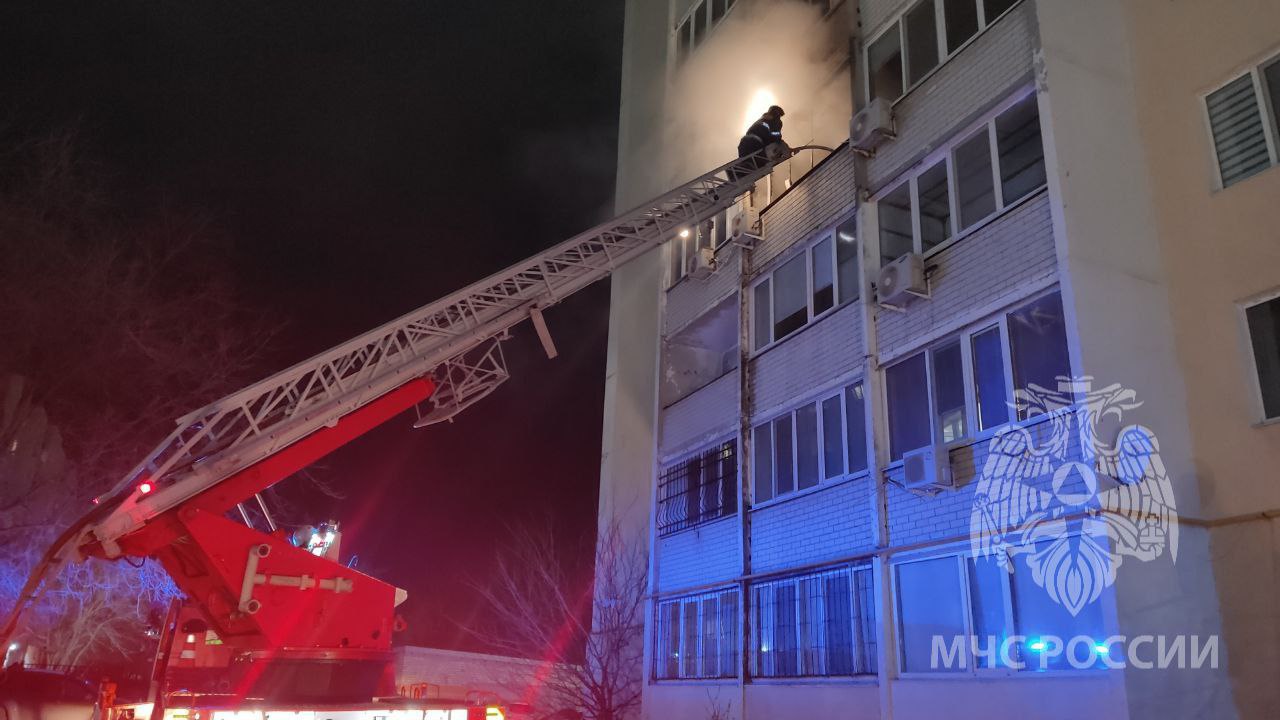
(367, 158)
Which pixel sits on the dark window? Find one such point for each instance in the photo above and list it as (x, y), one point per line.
(1021, 151)
(962, 21)
(808, 626)
(762, 466)
(784, 467)
(699, 24)
(974, 184)
(922, 41)
(895, 224)
(824, 291)
(682, 41)
(790, 304)
(697, 637)
(988, 381)
(930, 603)
(806, 446)
(1264, 334)
(1271, 79)
(1239, 136)
(935, 206)
(832, 438)
(948, 392)
(855, 414)
(884, 64)
(763, 315)
(1038, 345)
(698, 488)
(907, 390)
(847, 262)
(995, 8)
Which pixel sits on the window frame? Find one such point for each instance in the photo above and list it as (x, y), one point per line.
(1260, 419)
(947, 154)
(1268, 106)
(944, 56)
(703, 455)
(677, 627)
(838, 393)
(687, 25)
(961, 556)
(806, 249)
(679, 257)
(863, 661)
(964, 335)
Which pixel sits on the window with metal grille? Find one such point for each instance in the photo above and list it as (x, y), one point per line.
(820, 624)
(697, 637)
(1242, 120)
(701, 487)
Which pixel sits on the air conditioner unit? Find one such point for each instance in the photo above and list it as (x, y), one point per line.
(927, 468)
(745, 225)
(872, 125)
(704, 264)
(900, 279)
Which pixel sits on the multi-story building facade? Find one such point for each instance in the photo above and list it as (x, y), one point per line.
(1091, 189)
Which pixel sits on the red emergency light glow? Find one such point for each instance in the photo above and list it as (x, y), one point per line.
(145, 488)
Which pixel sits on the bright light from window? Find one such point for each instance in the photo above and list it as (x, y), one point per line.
(759, 102)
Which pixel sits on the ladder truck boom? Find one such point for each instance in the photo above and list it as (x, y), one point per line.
(258, 592)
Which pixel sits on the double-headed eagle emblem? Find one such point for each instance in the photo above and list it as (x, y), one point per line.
(1075, 506)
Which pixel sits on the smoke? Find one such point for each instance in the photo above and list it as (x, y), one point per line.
(783, 53)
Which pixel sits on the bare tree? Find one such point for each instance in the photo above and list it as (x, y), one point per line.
(589, 635)
(113, 321)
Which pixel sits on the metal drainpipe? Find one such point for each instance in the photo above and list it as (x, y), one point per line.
(744, 467)
(873, 393)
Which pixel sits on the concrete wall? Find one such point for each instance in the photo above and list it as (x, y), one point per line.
(1219, 247)
(1118, 299)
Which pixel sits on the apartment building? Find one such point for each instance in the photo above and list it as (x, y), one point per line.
(1080, 198)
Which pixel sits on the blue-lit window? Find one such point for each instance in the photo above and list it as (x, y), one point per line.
(805, 286)
(697, 636)
(816, 625)
(959, 613)
(817, 442)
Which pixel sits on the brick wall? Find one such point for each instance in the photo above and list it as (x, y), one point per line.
(808, 361)
(817, 201)
(700, 417)
(966, 86)
(704, 554)
(824, 525)
(916, 518)
(1000, 262)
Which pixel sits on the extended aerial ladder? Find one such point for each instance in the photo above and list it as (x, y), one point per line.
(286, 608)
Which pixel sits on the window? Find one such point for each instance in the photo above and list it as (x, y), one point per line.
(847, 262)
(967, 381)
(931, 599)
(1242, 120)
(1038, 345)
(973, 179)
(805, 286)
(814, 625)
(1021, 150)
(815, 442)
(696, 27)
(697, 637)
(957, 20)
(700, 352)
(961, 19)
(687, 243)
(1263, 320)
(921, 213)
(921, 27)
(989, 379)
(701, 487)
(884, 66)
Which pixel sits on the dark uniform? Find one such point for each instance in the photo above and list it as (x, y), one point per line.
(763, 133)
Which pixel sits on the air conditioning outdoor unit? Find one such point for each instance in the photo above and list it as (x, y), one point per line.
(901, 279)
(704, 264)
(872, 125)
(927, 468)
(745, 225)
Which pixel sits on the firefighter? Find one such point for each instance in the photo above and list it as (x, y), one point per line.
(765, 134)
